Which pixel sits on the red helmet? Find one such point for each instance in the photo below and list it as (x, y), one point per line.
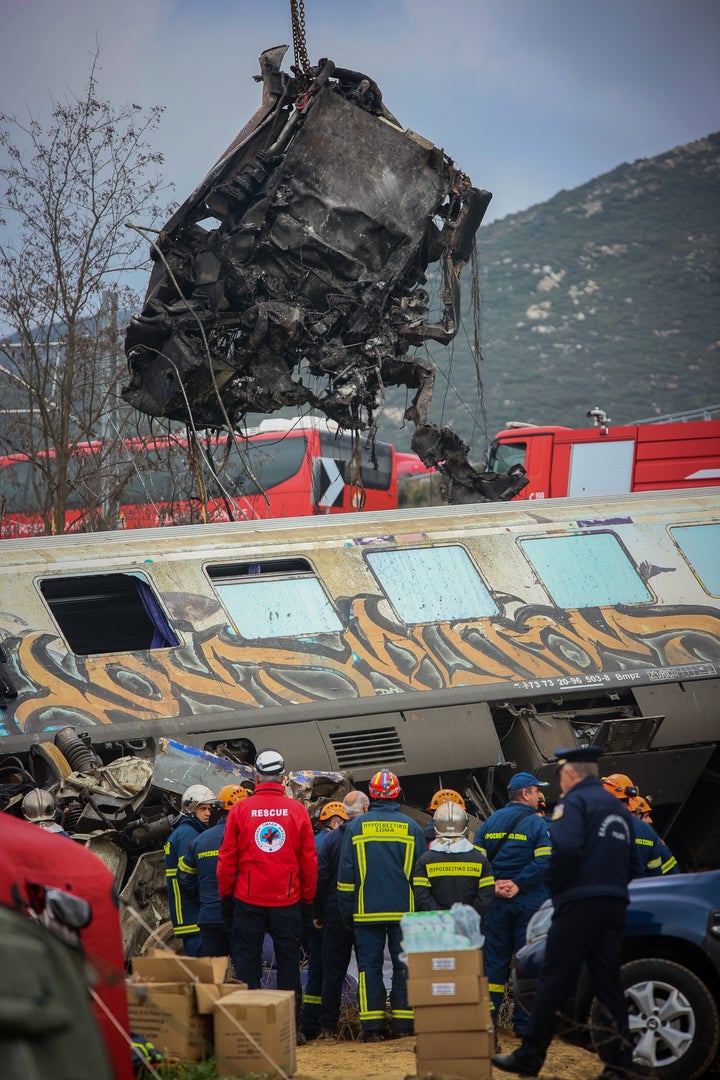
(384, 785)
(445, 795)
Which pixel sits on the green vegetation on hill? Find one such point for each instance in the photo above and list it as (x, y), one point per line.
(606, 295)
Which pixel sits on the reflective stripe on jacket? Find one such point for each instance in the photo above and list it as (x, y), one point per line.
(197, 874)
(183, 911)
(380, 849)
(453, 874)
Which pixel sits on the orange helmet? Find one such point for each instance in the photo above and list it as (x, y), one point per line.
(231, 794)
(445, 794)
(333, 809)
(637, 804)
(620, 785)
(384, 785)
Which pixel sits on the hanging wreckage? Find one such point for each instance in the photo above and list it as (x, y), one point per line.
(294, 274)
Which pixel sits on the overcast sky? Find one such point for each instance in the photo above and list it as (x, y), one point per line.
(527, 96)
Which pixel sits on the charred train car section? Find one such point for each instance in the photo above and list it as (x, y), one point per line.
(449, 643)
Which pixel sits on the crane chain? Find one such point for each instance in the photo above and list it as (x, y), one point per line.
(297, 14)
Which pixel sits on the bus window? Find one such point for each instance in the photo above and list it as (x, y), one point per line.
(503, 456)
(271, 462)
(273, 599)
(108, 613)
(15, 489)
(427, 585)
(586, 570)
(340, 449)
(700, 545)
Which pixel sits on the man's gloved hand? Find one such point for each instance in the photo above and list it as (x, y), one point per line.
(227, 906)
(306, 910)
(348, 922)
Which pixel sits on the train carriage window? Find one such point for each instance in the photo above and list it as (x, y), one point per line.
(273, 599)
(700, 545)
(586, 570)
(438, 584)
(108, 613)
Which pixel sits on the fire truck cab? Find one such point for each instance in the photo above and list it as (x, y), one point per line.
(608, 460)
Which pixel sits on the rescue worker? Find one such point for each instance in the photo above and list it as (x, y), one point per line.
(197, 875)
(452, 871)
(641, 808)
(331, 815)
(588, 874)
(38, 806)
(439, 798)
(195, 807)
(516, 842)
(379, 851)
(656, 858)
(267, 873)
(337, 938)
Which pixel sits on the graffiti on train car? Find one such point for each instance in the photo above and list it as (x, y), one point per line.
(525, 647)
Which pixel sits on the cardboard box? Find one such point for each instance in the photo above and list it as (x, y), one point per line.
(266, 1015)
(468, 1068)
(437, 965)
(162, 966)
(165, 1013)
(451, 990)
(472, 1017)
(432, 1046)
(206, 994)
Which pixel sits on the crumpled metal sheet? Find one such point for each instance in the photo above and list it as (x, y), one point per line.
(305, 287)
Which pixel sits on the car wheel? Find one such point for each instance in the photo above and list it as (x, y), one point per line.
(673, 1020)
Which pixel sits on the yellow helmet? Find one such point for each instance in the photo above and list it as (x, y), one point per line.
(445, 795)
(333, 809)
(620, 785)
(231, 794)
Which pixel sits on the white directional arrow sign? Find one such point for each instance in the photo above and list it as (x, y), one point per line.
(330, 484)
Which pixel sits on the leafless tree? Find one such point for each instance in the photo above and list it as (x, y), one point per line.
(70, 186)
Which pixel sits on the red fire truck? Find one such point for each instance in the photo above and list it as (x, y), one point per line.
(676, 451)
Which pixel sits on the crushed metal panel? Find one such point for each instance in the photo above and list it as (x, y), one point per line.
(308, 288)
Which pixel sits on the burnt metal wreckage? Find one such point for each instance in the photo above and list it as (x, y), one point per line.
(294, 274)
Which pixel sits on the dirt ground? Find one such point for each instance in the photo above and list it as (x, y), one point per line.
(395, 1060)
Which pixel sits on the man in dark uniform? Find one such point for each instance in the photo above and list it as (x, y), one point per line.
(452, 871)
(592, 861)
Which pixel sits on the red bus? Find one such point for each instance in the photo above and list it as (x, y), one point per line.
(282, 469)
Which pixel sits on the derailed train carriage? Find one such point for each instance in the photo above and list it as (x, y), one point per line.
(450, 644)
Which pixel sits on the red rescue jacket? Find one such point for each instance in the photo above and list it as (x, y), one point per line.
(268, 855)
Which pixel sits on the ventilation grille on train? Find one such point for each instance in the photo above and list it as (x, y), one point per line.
(354, 749)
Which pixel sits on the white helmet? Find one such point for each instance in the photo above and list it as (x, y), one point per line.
(269, 763)
(38, 805)
(450, 820)
(196, 795)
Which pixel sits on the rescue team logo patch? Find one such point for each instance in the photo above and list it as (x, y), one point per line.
(270, 836)
(558, 812)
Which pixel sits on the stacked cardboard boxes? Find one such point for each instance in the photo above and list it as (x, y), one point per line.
(171, 999)
(449, 994)
(187, 1010)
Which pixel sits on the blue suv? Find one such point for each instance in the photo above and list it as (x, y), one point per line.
(670, 972)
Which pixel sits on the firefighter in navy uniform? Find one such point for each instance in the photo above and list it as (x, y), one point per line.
(593, 859)
(197, 875)
(195, 806)
(379, 851)
(517, 844)
(452, 871)
(655, 856)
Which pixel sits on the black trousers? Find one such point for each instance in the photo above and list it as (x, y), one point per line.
(590, 932)
(249, 926)
(337, 945)
(214, 940)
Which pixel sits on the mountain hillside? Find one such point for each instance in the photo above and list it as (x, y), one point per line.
(607, 295)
